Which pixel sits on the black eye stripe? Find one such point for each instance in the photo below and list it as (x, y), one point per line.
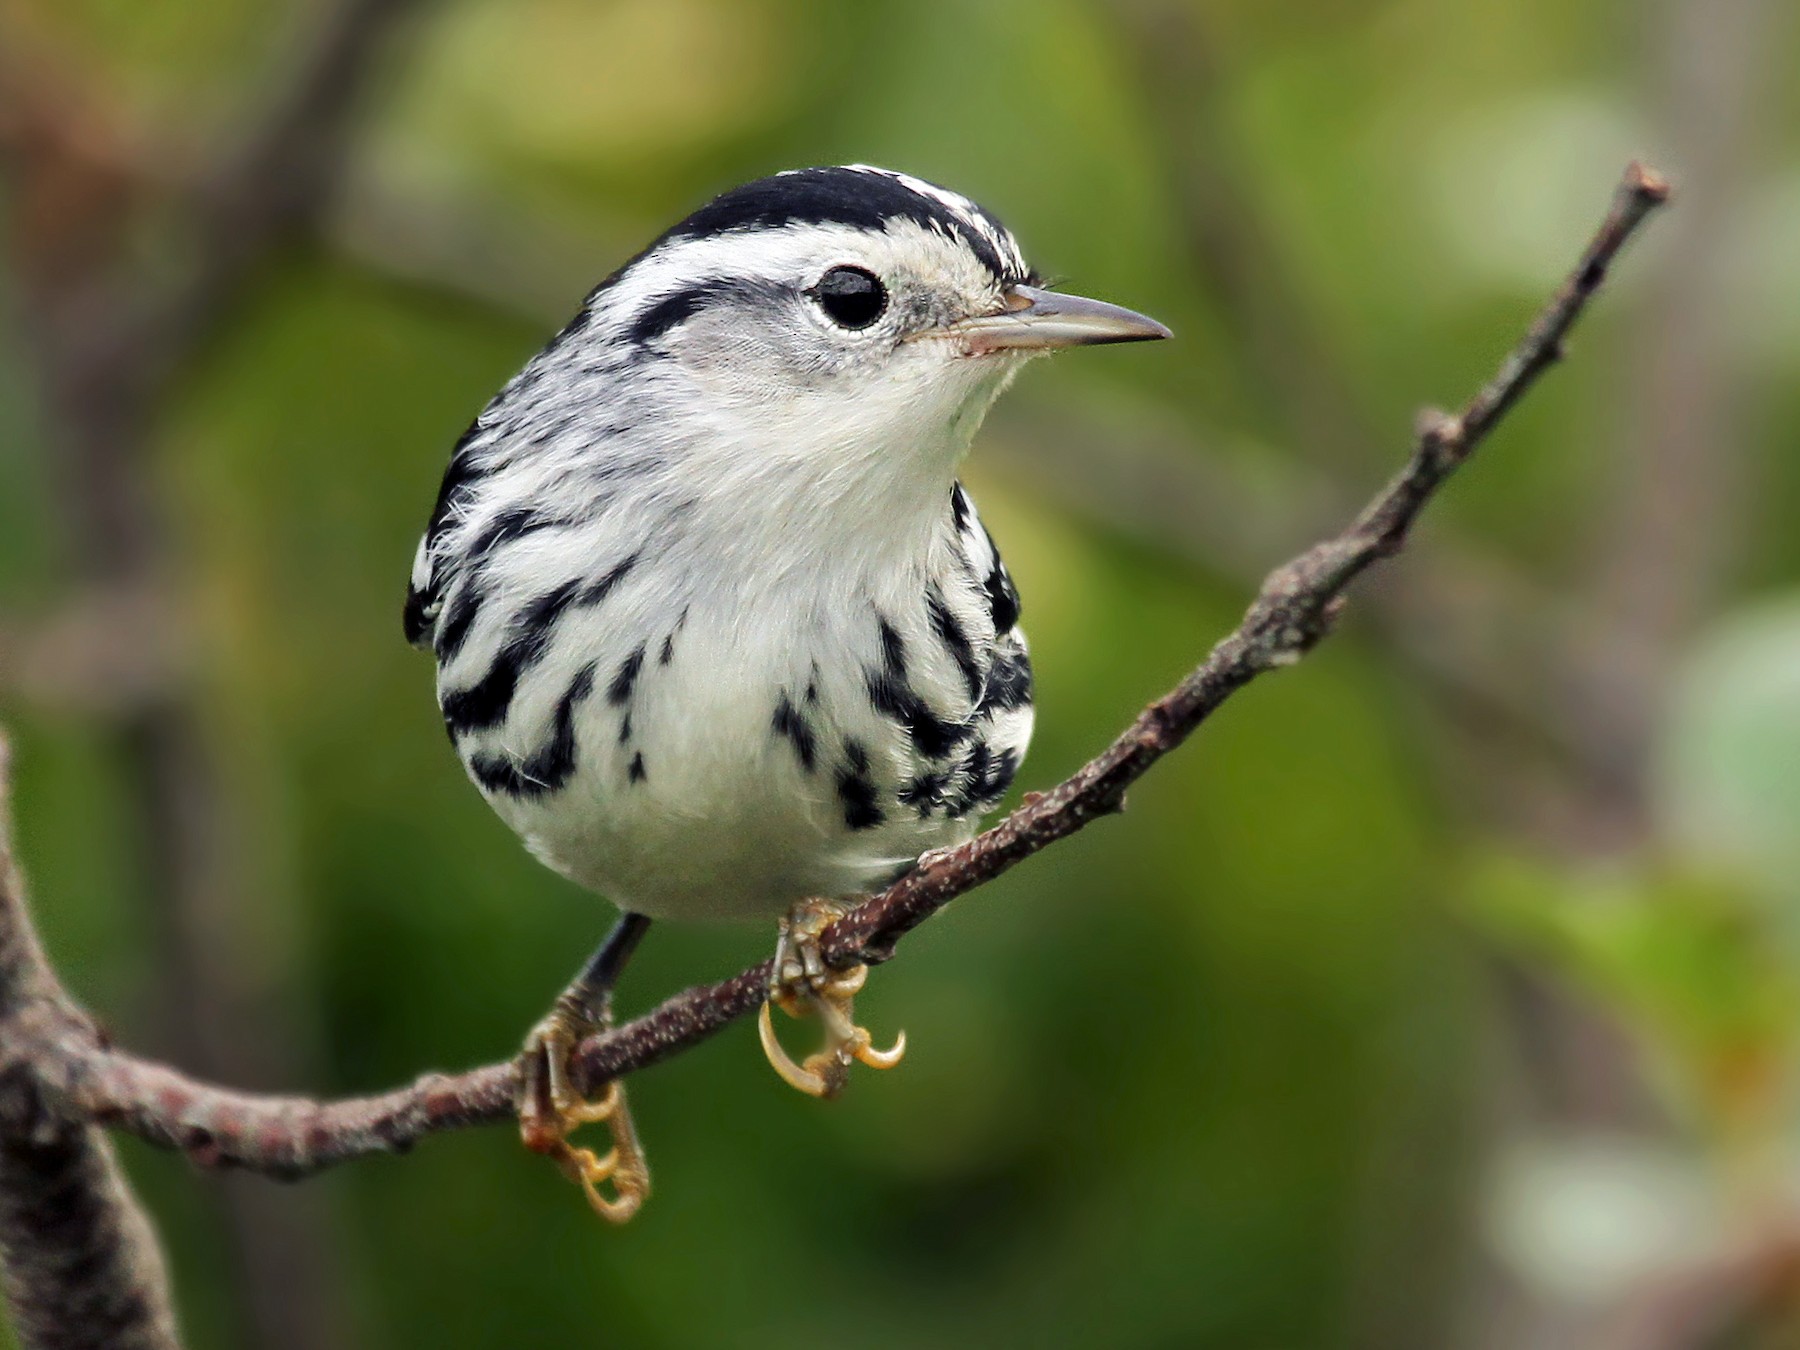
(852, 297)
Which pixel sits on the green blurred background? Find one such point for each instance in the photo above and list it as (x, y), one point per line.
(1442, 993)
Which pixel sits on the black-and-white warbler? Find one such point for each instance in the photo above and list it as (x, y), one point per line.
(718, 633)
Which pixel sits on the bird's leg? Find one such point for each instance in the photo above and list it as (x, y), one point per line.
(801, 983)
(550, 1109)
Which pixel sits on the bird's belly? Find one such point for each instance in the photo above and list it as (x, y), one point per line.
(742, 856)
(698, 807)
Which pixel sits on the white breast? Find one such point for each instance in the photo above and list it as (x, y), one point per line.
(727, 755)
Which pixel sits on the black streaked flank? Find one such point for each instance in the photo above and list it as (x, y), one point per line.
(788, 722)
(668, 647)
(1003, 597)
(973, 785)
(925, 792)
(544, 611)
(635, 773)
(513, 523)
(889, 691)
(485, 702)
(856, 789)
(1002, 769)
(619, 691)
(598, 590)
(453, 630)
(893, 647)
(548, 768)
(1008, 683)
(955, 641)
(982, 781)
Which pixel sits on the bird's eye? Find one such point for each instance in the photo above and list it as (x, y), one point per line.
(852, 297)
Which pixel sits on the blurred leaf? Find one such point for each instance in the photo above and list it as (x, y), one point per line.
(1681, 958)
(1727, 768)
(1584, 1217)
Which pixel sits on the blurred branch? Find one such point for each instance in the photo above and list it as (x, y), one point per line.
(281, 174)
(131, 244)
(1284, 354)
(110, 338)
(1295, 608)
(79, 1264)
(1667, 532)
(102, 653)
(1667, 528)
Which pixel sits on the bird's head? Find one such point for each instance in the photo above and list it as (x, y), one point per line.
(834, 315)
(807, 354)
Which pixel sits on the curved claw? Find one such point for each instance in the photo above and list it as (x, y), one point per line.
(802, 984)
(593, 1113)
(630, 1185)
(882, 1059)
(844, 984)
(550, 1109)
(805, 1079)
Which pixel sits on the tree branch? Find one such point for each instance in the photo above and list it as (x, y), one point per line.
(284, 173)
(1294, 609)
(130, 249)
(79, 1265)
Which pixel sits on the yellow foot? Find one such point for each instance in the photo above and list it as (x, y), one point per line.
(801, 984)
(550, 1110)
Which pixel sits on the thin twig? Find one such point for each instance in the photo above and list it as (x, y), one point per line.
(1295, 608)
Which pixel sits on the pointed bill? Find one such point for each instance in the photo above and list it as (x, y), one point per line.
(1040, 320)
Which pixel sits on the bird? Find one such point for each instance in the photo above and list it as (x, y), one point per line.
(718, 631)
